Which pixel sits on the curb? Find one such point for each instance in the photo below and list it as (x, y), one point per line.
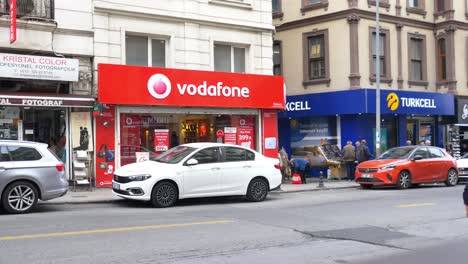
(117, 199)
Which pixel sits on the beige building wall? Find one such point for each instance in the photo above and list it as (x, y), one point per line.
(294, 23)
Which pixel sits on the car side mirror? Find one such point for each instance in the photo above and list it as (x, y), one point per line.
(417, 157)
(192, 162)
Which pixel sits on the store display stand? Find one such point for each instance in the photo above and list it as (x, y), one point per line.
(454, 143)
(82, 169)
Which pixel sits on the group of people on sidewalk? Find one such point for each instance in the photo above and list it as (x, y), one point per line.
(354, 155)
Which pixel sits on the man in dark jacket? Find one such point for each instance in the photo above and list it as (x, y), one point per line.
(363, 152)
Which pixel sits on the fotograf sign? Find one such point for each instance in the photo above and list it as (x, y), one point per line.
(38, 67)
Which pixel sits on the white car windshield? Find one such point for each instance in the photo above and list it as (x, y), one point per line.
(175, 155)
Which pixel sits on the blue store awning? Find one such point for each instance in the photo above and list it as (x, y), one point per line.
(362, 101)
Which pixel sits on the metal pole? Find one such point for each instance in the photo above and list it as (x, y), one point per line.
(377, 79)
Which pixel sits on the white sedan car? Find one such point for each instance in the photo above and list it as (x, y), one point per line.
(198, 170)
(462, 164)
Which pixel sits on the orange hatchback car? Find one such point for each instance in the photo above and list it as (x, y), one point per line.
(406, 166)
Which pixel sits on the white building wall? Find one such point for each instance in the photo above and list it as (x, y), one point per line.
(190, 27)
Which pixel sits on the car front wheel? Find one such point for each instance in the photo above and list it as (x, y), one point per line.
(165, 194)
(404, 180)
(19, 197)
(258, 190)
(452, 178)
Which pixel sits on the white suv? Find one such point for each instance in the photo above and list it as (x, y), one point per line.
(28, 172)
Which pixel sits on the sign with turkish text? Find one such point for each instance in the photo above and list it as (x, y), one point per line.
(161, 139)
(230, 135)
(134, 85)
(13, 9)
(46, 101)
(245, 137)
(142, 156)
(38, 67)
(105, 148)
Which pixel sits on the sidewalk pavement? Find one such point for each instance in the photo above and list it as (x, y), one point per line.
(82, 195)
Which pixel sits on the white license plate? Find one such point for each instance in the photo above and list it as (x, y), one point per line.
(115, 186)
(367, 175)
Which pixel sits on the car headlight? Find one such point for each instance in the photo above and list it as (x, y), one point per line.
(139, 177)
(389, 167)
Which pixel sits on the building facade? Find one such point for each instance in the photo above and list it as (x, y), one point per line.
(46, 87)
(183, 71)
(326, 50)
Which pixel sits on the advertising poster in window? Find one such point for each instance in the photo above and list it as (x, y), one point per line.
(129, 138)
(81, 131)
(245, 137)
(308, 132)
(105, 148)
(161, 140)
(230, 135)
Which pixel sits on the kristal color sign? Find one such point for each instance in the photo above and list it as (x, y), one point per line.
(133, 85)
(38, 67)
(12, 21)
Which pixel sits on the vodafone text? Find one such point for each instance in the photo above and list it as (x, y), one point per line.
(213, 90)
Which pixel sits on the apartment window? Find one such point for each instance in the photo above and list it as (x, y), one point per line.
(145, 51)
(440, 5)
(229, 58)
(316, 62)
(417, 59)
(277, 58)
(383, 54)
(379, 54)
(414, 3)
(382, 3)
(441, 60)
(316, 57)
(313, 4)
(276, 6)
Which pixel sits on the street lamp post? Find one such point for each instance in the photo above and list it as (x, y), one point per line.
(377, 79)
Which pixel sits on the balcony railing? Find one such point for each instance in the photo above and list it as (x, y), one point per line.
(30, 9)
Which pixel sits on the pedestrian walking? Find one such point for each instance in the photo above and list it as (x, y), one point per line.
(349, 156)
(300, 166)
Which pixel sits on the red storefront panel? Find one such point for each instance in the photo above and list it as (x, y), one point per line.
(133, 85)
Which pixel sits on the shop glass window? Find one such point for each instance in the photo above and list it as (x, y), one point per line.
(277, 58)
(276, 6)
(24, 154)
(442, 60)
(436, 153)
(421, 152)
(380, 54)
(144, 51)
(317, 57)
(4, 154)
(229, 58)
(208, 155)
(416, 58)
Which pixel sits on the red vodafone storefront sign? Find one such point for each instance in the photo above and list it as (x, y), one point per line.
(133, 85)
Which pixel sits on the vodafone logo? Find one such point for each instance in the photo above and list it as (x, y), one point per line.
(159, 86)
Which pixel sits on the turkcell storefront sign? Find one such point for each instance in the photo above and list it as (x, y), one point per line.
(362, 101)
(462, 110)
(38, 67)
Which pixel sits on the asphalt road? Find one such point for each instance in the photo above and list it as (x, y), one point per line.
(419, 225)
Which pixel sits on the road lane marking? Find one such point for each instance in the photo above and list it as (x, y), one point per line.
(414, 205)
(112, 230)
